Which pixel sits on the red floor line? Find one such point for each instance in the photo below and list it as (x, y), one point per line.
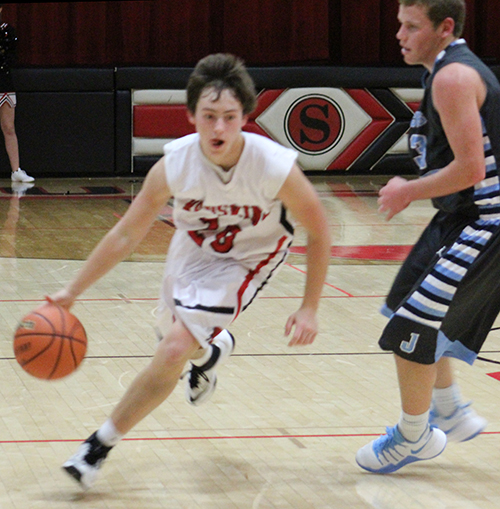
(378, 225)
(37, 229)
(83, 300)
(326, 284)
(164, 439)
(346, 296)
(4, 196)
(226, 437)
(145, 299)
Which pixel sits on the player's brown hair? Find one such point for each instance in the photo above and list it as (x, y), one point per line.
(439, 10)
(222, 71)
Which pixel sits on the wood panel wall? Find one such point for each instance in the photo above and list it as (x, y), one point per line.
(263, 32)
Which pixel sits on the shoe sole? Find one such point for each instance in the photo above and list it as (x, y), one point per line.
(75, 474)
(389, 469)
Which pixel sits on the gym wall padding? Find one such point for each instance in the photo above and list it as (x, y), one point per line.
(374, 116)
(79, 122)
(65, 122)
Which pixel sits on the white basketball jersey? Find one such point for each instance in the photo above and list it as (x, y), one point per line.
(237, 219)
(231, 238)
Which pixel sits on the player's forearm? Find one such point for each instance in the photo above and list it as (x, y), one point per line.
(318, 256)
(112, 249)
(451, 179)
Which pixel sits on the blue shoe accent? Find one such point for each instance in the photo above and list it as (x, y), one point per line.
(392, 451)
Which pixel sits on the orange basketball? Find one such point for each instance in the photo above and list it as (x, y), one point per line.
(50, 342)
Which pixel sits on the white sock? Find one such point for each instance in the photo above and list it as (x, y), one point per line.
(447, 400)
(108, 435)
(204, 358)
(412, 427)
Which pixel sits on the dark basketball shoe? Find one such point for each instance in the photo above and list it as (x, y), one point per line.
(87, 461)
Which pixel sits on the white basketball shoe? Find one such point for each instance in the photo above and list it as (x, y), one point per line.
(392, 451)
(462, 425)
(202, 380)
(21, 176)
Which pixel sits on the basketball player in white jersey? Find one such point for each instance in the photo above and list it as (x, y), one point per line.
(232, 192)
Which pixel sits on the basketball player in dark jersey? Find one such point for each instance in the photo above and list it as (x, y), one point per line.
(446, 296)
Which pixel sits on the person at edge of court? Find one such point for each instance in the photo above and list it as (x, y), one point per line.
(233, 196)
(446, 295)
(8, 46)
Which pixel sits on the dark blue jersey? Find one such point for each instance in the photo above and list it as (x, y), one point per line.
(430, 148)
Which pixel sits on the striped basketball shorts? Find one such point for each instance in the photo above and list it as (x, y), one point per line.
(9, 98)
(446, 295)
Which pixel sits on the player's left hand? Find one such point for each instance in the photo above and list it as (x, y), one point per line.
(306, 327)
(393, 197)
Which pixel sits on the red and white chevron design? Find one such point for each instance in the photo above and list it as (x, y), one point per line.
(331, 128)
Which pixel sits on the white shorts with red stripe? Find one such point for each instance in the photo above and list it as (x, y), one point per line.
(232, 234)
(208, 293)
(9, 98)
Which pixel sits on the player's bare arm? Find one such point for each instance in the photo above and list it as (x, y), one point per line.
(123, 238)
(301, 200)
(458, 94)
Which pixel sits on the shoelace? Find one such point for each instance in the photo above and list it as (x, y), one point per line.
(389, 441)
(194, 379)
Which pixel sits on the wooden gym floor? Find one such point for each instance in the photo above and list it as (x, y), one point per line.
(284, 425)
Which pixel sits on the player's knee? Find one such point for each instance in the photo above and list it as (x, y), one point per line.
(8, 128)
(178, 350)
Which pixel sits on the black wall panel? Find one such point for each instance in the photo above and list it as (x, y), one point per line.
(65, 123)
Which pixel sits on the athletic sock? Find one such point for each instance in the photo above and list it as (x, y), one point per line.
(447, 400)
(412, 427)
(108, 434)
